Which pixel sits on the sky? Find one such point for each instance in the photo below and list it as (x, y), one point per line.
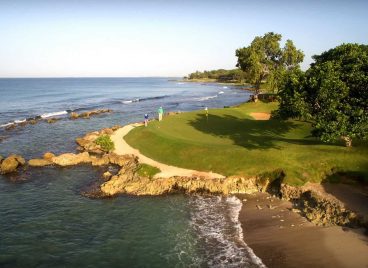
(110, 38)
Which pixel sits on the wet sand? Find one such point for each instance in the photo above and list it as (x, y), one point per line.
(283, 238)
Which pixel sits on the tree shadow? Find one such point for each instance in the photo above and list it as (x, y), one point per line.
(248, 133)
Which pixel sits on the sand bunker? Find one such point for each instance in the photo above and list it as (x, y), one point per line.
(261, 116)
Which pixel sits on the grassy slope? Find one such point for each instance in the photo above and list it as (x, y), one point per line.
(232, 143)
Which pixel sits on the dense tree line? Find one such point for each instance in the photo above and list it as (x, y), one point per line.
(220, 75)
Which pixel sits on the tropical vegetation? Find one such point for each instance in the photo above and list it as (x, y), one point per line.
(332, 94)
(106, 143)
(264, 61)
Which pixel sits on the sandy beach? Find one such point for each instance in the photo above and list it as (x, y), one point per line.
(283, 238)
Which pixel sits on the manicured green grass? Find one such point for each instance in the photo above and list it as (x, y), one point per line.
(231, 142)
(146, 170)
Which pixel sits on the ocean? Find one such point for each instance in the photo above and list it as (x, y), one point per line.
(46, 222)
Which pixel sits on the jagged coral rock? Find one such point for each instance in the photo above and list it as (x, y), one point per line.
(128, 182)
(100, 161)
(70, 159)
(88, 114)
(318, 208)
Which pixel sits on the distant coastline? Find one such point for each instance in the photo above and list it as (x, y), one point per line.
(210, 80)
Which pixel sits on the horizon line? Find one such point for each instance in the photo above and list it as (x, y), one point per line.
(52, 77)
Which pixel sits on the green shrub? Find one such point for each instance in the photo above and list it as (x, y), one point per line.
(145, 170)
(106, 143)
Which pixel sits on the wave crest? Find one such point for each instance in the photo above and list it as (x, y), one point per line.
(215, 220)
(47, 115)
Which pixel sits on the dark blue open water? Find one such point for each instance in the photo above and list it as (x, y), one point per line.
(46, 222)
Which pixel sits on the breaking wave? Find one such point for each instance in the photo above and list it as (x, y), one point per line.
(143, 99)
(47, 115)
(37, 117)
(206, 98)
(215, 220)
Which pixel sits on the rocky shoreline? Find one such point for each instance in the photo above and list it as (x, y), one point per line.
(319, 208)
(51, 120)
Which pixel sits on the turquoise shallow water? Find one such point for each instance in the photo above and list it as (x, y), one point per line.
(46, 222)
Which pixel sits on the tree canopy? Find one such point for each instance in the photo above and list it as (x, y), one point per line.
(333, 93)
(265, 61)
(221, 75)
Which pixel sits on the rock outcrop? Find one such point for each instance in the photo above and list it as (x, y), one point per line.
(39, 162)
(100, 161)
(48, 156)
(127, 181)
(28, 121)
(70, 159)
(11, 163)
(88, 114)
(107, 175)
(52, 120)
(87, 142)
(11, 127)
(319, 208)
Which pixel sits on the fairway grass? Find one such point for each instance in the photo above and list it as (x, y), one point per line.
(231, 142)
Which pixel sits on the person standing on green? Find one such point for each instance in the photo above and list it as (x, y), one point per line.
(160, 113)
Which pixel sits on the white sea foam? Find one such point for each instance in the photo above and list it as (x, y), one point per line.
(20, 121)
(215, 220)
(221, 92)
(130, 101)
(46, 115)
(236, 206)
(206, 98)
(7, 124)
(225, 87)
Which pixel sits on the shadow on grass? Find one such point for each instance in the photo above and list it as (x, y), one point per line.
(248, 133)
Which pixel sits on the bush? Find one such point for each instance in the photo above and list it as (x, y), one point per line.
(145, 170)
(106, 143)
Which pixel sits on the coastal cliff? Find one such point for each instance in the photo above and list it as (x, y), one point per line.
(319, 208)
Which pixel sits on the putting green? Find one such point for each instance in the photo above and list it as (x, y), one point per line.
(231, 142)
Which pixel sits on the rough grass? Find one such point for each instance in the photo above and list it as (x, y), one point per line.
(231, 142)
(146, 170)
(106, 143)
